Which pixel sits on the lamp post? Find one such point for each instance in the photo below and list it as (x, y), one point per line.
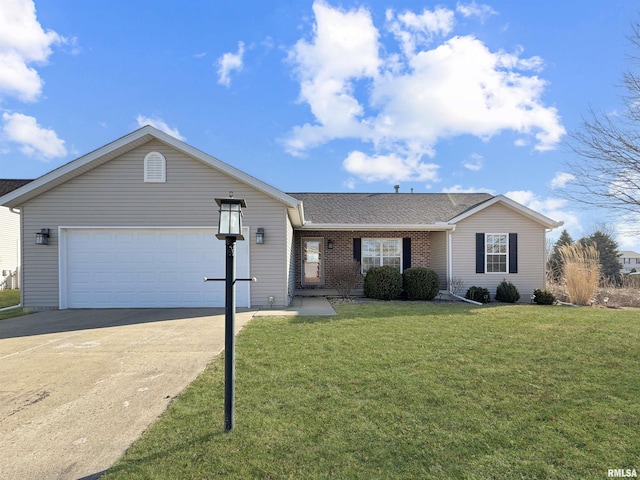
(230, 230)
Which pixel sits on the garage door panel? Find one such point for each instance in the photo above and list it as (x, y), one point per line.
(147, 268)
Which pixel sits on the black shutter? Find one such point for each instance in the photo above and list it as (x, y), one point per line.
(480, 252)
(406, 253)
(513, 253)
(357, 249)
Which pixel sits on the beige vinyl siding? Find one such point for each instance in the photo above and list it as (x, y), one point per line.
(531, 250)
(439, 256)
(115, 194)
(9, 241)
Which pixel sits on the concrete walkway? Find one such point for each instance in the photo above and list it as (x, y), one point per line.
(301, 306)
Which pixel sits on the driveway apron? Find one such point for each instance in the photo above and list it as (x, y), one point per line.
(77, 387)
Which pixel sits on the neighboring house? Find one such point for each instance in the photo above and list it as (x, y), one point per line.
(133, 224)
(9, 238)
(629, 261)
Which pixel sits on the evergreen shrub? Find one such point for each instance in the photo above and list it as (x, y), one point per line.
(507, 292)
(478, 294)
(421, 283)
(383, 283)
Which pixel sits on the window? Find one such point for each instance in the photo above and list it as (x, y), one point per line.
(378, 252)
(497, 252)
(155, 168)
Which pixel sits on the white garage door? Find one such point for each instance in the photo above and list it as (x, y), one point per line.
(146, 267)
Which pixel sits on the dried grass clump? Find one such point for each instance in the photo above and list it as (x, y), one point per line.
(581, 272)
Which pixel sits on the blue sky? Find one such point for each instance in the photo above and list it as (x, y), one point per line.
(323, 96)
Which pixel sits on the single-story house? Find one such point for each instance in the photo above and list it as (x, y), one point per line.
(133, 224)
(9, 238)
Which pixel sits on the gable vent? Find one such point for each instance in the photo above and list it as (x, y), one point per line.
(155, 167)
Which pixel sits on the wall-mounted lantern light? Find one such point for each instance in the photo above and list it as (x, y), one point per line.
(230, 224)
(260, 235)
(330, 245)
(42, 237)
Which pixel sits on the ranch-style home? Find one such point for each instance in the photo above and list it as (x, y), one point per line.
(133, 224)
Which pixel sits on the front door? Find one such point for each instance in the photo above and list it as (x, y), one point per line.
(312, 261)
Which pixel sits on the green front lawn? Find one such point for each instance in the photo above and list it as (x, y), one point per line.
(412, 390)
(9, 298)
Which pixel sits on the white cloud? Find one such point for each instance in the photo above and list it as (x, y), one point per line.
(474, 10)
(404, 104)
(561, 179)
(391, 168)
(160, 125)
(228, 63)
(627, 234)
(461, 189)
(554, 208)
(34, 140)
(23, 43)
(413, 30)
(474, 162)
(344, 49)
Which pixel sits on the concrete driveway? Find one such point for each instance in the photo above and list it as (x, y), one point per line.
(77, 387)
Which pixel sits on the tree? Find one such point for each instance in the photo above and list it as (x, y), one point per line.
(607, 252)
(555, 263)
(607, 172)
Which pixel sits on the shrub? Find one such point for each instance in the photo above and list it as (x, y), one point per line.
(456, 284)
(543, 297)
(421, 283)
(383, 283)
(346, 276)
(478, 294)
(507, 292)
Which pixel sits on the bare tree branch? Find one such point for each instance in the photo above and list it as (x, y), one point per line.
(606, 172)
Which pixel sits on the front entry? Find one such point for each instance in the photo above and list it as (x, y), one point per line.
(312, 262)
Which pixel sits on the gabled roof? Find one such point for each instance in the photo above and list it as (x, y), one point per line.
(407, 211)
(385, 210)
(9, 185)
(513, 205)
(129, 142)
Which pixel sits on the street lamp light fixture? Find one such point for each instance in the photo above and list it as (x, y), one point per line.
(230, 224)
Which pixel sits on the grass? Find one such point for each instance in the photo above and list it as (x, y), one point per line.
(401, 390)
(9, 298)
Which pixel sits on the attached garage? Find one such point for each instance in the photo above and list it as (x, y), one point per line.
(146, 267)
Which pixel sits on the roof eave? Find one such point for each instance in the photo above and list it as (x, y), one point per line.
(366, 227)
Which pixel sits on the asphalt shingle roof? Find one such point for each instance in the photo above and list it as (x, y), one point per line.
(387, 208)
(7, 186)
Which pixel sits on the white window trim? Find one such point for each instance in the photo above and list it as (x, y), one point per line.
(162, 178)
(486, 255)
(395, 239)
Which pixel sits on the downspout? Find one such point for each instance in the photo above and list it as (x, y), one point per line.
(450, 259)
(17, 212)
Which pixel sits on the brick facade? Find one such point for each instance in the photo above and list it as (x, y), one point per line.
(342, 251)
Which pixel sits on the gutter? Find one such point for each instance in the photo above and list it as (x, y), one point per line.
(376, 227)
